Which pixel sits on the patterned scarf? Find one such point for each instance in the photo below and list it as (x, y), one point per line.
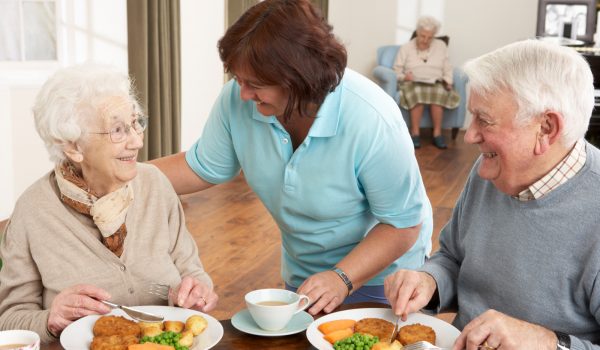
(108, 212)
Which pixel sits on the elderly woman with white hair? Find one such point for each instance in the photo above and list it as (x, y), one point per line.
(425, 78)
(99, 226)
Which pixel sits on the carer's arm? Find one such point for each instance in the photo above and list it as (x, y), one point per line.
(382, 246)
(181, 176)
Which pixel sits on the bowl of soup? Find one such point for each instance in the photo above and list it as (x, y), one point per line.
(19, 340)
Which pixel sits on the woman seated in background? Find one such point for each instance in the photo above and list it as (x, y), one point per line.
(425, 78)
(99, 226)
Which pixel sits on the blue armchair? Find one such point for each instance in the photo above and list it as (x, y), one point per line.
(386, 77)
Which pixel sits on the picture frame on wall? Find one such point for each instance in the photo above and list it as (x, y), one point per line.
(575, 19)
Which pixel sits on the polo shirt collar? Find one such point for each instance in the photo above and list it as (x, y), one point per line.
(259, 117)
(328, 116)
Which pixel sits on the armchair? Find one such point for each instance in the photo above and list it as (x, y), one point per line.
(386, 78)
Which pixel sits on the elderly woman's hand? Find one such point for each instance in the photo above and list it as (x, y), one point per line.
(409, 291)
(500, 331)
(409, 76)
(73, 303)
(326, 291)
(447, 86)
(193, 294)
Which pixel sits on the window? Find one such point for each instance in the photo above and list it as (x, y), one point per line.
(28, 30)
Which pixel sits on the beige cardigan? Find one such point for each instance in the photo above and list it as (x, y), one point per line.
(48, 247)
(437, 66)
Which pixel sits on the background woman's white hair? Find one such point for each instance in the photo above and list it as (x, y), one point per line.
(429, 24)
(542, 76)
(70, 98)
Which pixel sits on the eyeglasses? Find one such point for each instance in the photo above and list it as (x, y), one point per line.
(120, 131)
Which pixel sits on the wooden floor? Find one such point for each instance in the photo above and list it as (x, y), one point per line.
(239, 242)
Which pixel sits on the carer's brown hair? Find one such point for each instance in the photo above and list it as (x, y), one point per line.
(286, 43)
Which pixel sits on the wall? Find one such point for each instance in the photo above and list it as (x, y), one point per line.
(23, 157)
(96, 30)
(89, 30)
(363, 26)
(202, 24)
(476, 27)
(496, 25)
(410, 10)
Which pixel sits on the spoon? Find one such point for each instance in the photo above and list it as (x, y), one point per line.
(135, 314)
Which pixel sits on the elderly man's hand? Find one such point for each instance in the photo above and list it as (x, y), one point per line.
(500, 331)
(75, 302)
(326, 291)
(409, 291)
(193, 294)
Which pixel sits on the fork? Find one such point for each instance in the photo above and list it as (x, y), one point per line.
(158, 289)
(424, 345)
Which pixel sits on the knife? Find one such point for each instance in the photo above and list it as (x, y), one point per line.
(134, 313)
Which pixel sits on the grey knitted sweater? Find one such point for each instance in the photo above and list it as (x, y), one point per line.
(538, 261)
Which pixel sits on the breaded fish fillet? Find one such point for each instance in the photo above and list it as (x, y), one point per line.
(376, 327)
(116, 325)
(113, 342)
(413, 333)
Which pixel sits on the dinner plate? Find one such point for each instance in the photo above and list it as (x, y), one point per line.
(445, 333)
(78, 335)
(244, 322)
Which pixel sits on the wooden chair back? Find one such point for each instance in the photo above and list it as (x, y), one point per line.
(2, 225)
(443, 38)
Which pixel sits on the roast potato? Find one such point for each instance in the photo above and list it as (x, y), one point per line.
(196, 323)
(387, 346)
(174, 326)
(151, 331)
(187, 338)
(151, 324)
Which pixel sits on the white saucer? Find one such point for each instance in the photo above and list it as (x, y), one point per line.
(243, 321)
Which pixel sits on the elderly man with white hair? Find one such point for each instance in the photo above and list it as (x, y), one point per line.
(519, 260)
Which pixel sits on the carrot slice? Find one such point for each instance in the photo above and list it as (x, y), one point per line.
(149, 346)
(338, 335)
(335, 325)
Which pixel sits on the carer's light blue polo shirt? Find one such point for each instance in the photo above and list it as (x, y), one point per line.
(355, 168)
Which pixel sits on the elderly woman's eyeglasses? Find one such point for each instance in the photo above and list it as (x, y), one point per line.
(120, 131)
